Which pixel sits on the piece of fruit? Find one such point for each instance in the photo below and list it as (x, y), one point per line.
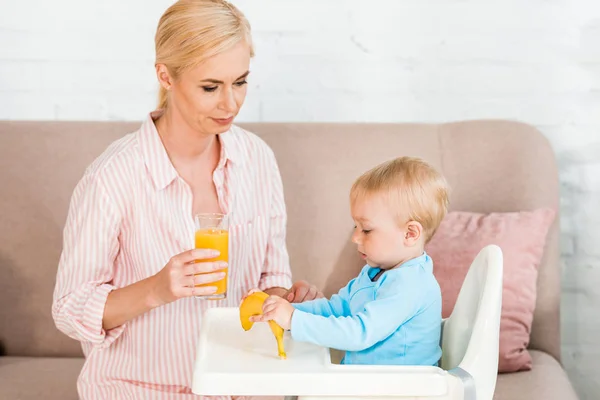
(252, 305)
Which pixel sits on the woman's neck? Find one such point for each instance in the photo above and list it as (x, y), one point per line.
(181, 141)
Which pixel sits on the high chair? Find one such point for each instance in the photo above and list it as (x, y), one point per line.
(230, 361)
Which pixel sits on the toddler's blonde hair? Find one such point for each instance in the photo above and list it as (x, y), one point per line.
(412, 188)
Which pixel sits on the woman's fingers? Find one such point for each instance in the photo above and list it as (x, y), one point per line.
(312, 293)
(203, 267)
(300, 294)
(207, 278)
(193, 255)
(199, 291)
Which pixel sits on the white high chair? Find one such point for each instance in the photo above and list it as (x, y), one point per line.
(231, 361)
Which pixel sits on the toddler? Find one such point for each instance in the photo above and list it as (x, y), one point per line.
(391, 313)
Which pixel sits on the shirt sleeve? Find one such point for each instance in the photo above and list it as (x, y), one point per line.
(336, 306)
(86, 266)
(393, 306)
(276, 270)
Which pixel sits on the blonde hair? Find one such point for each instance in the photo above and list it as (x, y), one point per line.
(190, 31)
(412, 188)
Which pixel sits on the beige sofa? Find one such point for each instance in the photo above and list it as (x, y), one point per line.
(491, 165)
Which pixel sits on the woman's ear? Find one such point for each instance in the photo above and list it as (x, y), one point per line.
(414, 232)
(164, 78)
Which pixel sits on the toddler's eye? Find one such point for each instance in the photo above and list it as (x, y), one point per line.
(366, 231)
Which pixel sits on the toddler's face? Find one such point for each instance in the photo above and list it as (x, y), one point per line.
(377, 234)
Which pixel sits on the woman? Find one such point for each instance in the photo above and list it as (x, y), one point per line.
(127, 275)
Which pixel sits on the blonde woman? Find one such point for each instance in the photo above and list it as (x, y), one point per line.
(126, 281)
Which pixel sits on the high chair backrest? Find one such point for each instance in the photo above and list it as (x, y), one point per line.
(470, 336)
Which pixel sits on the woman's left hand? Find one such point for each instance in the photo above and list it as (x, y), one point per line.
(302, 291)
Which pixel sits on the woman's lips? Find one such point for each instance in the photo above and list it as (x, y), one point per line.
(223, 121)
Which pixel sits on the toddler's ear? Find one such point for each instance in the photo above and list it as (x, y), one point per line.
(414, 231)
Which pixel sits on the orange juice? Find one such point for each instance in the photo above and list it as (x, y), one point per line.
(217, 239)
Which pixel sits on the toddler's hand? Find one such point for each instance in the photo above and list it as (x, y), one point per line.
(277, 309)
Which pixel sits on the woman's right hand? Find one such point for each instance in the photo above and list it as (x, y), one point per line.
(178, 278)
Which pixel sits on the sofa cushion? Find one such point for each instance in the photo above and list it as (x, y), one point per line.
(547, 380)
(25, 378)
(522, 237)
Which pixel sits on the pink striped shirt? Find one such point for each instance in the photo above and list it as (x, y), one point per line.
(129, 214)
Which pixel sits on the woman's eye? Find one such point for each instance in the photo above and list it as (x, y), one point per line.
(209, 88)
(241, 83)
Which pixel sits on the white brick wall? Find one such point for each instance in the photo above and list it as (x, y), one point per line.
(381, 60)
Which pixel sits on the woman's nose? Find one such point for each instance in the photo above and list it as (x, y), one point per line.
(228, 102)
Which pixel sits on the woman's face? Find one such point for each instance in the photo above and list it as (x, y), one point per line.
(209, 96)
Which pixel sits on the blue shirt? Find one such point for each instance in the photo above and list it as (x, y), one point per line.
(395, 319)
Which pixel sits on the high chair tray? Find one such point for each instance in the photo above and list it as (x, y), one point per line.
(231, 361)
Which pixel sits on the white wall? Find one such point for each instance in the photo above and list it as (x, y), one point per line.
(380, 60)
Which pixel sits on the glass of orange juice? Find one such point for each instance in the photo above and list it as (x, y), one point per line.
(212, 232)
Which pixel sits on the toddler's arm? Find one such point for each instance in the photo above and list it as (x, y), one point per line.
(380, 318)
(337, 306)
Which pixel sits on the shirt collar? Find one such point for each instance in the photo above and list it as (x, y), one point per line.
(232, 148)
(157, 160)
(424, 260)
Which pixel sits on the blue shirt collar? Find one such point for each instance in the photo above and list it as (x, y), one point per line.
(424, 260)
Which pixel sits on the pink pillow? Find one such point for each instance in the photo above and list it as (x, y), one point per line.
(522, 237)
